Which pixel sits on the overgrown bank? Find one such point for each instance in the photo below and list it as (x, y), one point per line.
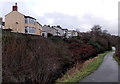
(117, 52)
(31, 58)
(88, 67)
(117, 59)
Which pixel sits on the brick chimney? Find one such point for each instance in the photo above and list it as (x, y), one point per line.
(15, 8)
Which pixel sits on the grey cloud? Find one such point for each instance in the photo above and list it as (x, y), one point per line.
(74, 22)
(66, 21)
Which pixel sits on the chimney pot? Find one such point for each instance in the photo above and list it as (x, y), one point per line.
(15, 4)
(15, 8)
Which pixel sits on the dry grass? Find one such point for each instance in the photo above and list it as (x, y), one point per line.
(76, 69)
(72, 71)
(81, 70)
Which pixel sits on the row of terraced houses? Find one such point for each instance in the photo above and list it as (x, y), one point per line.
(18, 22)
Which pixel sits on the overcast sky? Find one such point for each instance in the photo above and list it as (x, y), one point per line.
(71, 14)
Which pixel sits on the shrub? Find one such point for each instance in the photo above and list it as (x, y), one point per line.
(31, 58)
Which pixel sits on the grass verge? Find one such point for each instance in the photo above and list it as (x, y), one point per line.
(117, 59)
(87, 69)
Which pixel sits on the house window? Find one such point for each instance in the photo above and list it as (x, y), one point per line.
(29, 21)
(43, 34)
(30, 30)
(26, 21)
(26, 30)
